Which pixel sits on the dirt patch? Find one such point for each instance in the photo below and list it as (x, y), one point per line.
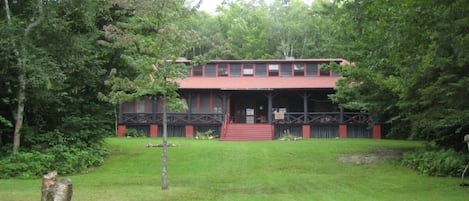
(377, 155)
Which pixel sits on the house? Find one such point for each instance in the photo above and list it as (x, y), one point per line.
(253, 100)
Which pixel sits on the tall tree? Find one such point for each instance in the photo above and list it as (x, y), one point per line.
(20, 54)
(51, 83)
(410, 65)
(150, 43)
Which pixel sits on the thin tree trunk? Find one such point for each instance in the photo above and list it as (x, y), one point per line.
(21, 74)
(164, 170)
(21, 87)
(20, 108)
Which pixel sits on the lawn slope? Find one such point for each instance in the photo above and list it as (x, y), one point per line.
(272, 170)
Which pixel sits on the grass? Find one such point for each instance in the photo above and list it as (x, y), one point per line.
(273, 170)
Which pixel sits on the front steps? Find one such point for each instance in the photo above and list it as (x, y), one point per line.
(247, 132)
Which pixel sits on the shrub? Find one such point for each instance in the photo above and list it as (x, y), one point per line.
(288, 136)
(436, 162)
(131, 132)
(205, 135)
(61, 158)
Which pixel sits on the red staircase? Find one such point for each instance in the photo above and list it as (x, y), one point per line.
(247, 132)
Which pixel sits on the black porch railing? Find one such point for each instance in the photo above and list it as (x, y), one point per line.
(218, 118)
(173, 118)
(322, 118)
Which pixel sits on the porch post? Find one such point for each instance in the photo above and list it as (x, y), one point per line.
(189, 131)
(189, 113)
(341, 115)
(223, 104)
(305, 107)
(343, 131)
(121, 108)
(269, 107)
(377, 131)
(154, 109)
(121, 130)
(306, 131)
(153, 130)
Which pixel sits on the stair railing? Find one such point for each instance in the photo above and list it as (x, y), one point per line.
(224, 128)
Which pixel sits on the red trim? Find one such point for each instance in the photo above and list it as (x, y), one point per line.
(306, 131)
(377, 132)
(121, 130)
(343, 131)
(153, 130)
(189, 131)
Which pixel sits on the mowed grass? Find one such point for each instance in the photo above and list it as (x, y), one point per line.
(271, 170)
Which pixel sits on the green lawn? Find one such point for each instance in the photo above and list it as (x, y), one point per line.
(273, 170)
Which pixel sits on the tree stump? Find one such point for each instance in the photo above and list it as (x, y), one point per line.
(53, 191)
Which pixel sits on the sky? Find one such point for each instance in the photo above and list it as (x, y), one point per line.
(211, 5)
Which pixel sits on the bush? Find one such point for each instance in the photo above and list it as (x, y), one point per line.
(206, 135)
(63, 159)
(288, 136)
(131, 132)
(436, 162)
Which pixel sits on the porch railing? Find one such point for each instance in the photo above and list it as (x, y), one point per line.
(323, 118)
(219, 118)
(173, 118)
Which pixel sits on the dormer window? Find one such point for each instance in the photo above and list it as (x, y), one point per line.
(248, 70)
(223, 70)
(197, 71)
(299, 69)
(273, 69)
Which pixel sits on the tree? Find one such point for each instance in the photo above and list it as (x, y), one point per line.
(150, 43)
(410, 65)
(20, 54)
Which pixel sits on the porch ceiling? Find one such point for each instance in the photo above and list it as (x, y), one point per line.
(257, 83)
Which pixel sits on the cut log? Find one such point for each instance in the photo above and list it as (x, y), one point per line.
(64, 190)
(53, 191)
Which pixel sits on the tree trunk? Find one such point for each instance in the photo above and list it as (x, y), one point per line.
(21, 73)
(164, 160)
(20, 108)
(21, 88)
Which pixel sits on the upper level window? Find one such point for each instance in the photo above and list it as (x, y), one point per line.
(248, 70)
(235, 70)
(286, 70)
(312, 69)
(210, 70)
(197, 71)
(273, 69)
(260, 70)
(299, 69)
(222, 69)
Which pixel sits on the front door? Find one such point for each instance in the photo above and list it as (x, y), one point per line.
(247, 108)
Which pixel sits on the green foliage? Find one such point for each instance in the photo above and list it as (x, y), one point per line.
(205, 135)
(434, 162)
(134, 133)
(410, 66)
(66, 160)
